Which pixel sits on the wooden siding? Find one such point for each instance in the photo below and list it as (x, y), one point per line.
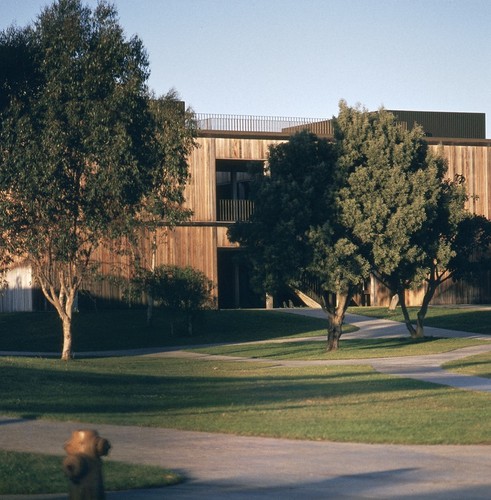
(189, 246)
(196, 243)
(474, 163)
(476, 290)
(222, 238)
(242, 149)
(200, 193)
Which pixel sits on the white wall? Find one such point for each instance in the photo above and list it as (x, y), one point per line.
(18, 294)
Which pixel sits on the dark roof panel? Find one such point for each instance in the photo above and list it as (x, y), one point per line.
(446, 124)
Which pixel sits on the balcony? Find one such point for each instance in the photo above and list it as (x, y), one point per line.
(234, 210)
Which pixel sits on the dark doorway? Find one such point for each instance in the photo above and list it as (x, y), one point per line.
(234, 288)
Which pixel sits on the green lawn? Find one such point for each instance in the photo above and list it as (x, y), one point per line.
(17, 471)
(479, 365)
(126, 329)
(340, 403)
(471, 319)
(350, 348)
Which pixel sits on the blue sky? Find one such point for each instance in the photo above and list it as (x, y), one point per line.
(300, 57)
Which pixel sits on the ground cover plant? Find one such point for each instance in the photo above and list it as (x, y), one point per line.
(467, 319)
(350, 348)
(17, 471)
(340, 403)
(126, 329)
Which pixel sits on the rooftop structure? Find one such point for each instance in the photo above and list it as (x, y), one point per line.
(446, 124)
(436, 124)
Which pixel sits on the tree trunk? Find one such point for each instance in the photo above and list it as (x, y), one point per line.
(67, 353)
(407, 320)
(430, 291)
(61, 296)
(393, 302)
(150, 301)
(335, 306)
(65, 311)
(334, 332)
(190, 324)
(420, 330)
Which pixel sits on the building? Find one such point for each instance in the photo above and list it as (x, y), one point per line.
(218, 195)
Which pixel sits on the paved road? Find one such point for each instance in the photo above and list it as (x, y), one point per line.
(220, 466)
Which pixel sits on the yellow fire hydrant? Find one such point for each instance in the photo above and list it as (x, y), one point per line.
(83, 465)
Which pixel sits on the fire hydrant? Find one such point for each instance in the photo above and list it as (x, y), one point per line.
(83, 465)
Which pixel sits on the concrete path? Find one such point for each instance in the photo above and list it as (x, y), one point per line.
(221, 466)
(424, 368)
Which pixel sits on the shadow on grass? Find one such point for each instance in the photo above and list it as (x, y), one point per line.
(462, 319)
(390, 343)
(482, 368)
(126, 329)
(68, 392)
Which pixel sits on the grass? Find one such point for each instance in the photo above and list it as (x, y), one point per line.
(121, 329)
(479, 365)
(126, 329)
(459, 318)
(350, 349)
(18, 469)
(339, 403)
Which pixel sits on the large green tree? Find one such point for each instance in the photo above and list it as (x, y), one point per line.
(399, 205)
(454, 245)
(374, 200)
(86, 154)
(294, 237)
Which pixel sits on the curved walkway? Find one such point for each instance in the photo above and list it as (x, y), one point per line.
(222, 466)
(425, 368)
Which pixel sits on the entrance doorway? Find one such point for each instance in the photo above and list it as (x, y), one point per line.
(234, 287)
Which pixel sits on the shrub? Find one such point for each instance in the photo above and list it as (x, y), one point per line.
(180, 290)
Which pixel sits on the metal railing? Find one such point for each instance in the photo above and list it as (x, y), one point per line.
(276, 124)
(234, 210)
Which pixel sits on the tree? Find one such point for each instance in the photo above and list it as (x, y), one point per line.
(175, 133)
(295, 237)
(456, 245)
(177, 289)
(400, 207)
(18, 69)
(83, 156)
